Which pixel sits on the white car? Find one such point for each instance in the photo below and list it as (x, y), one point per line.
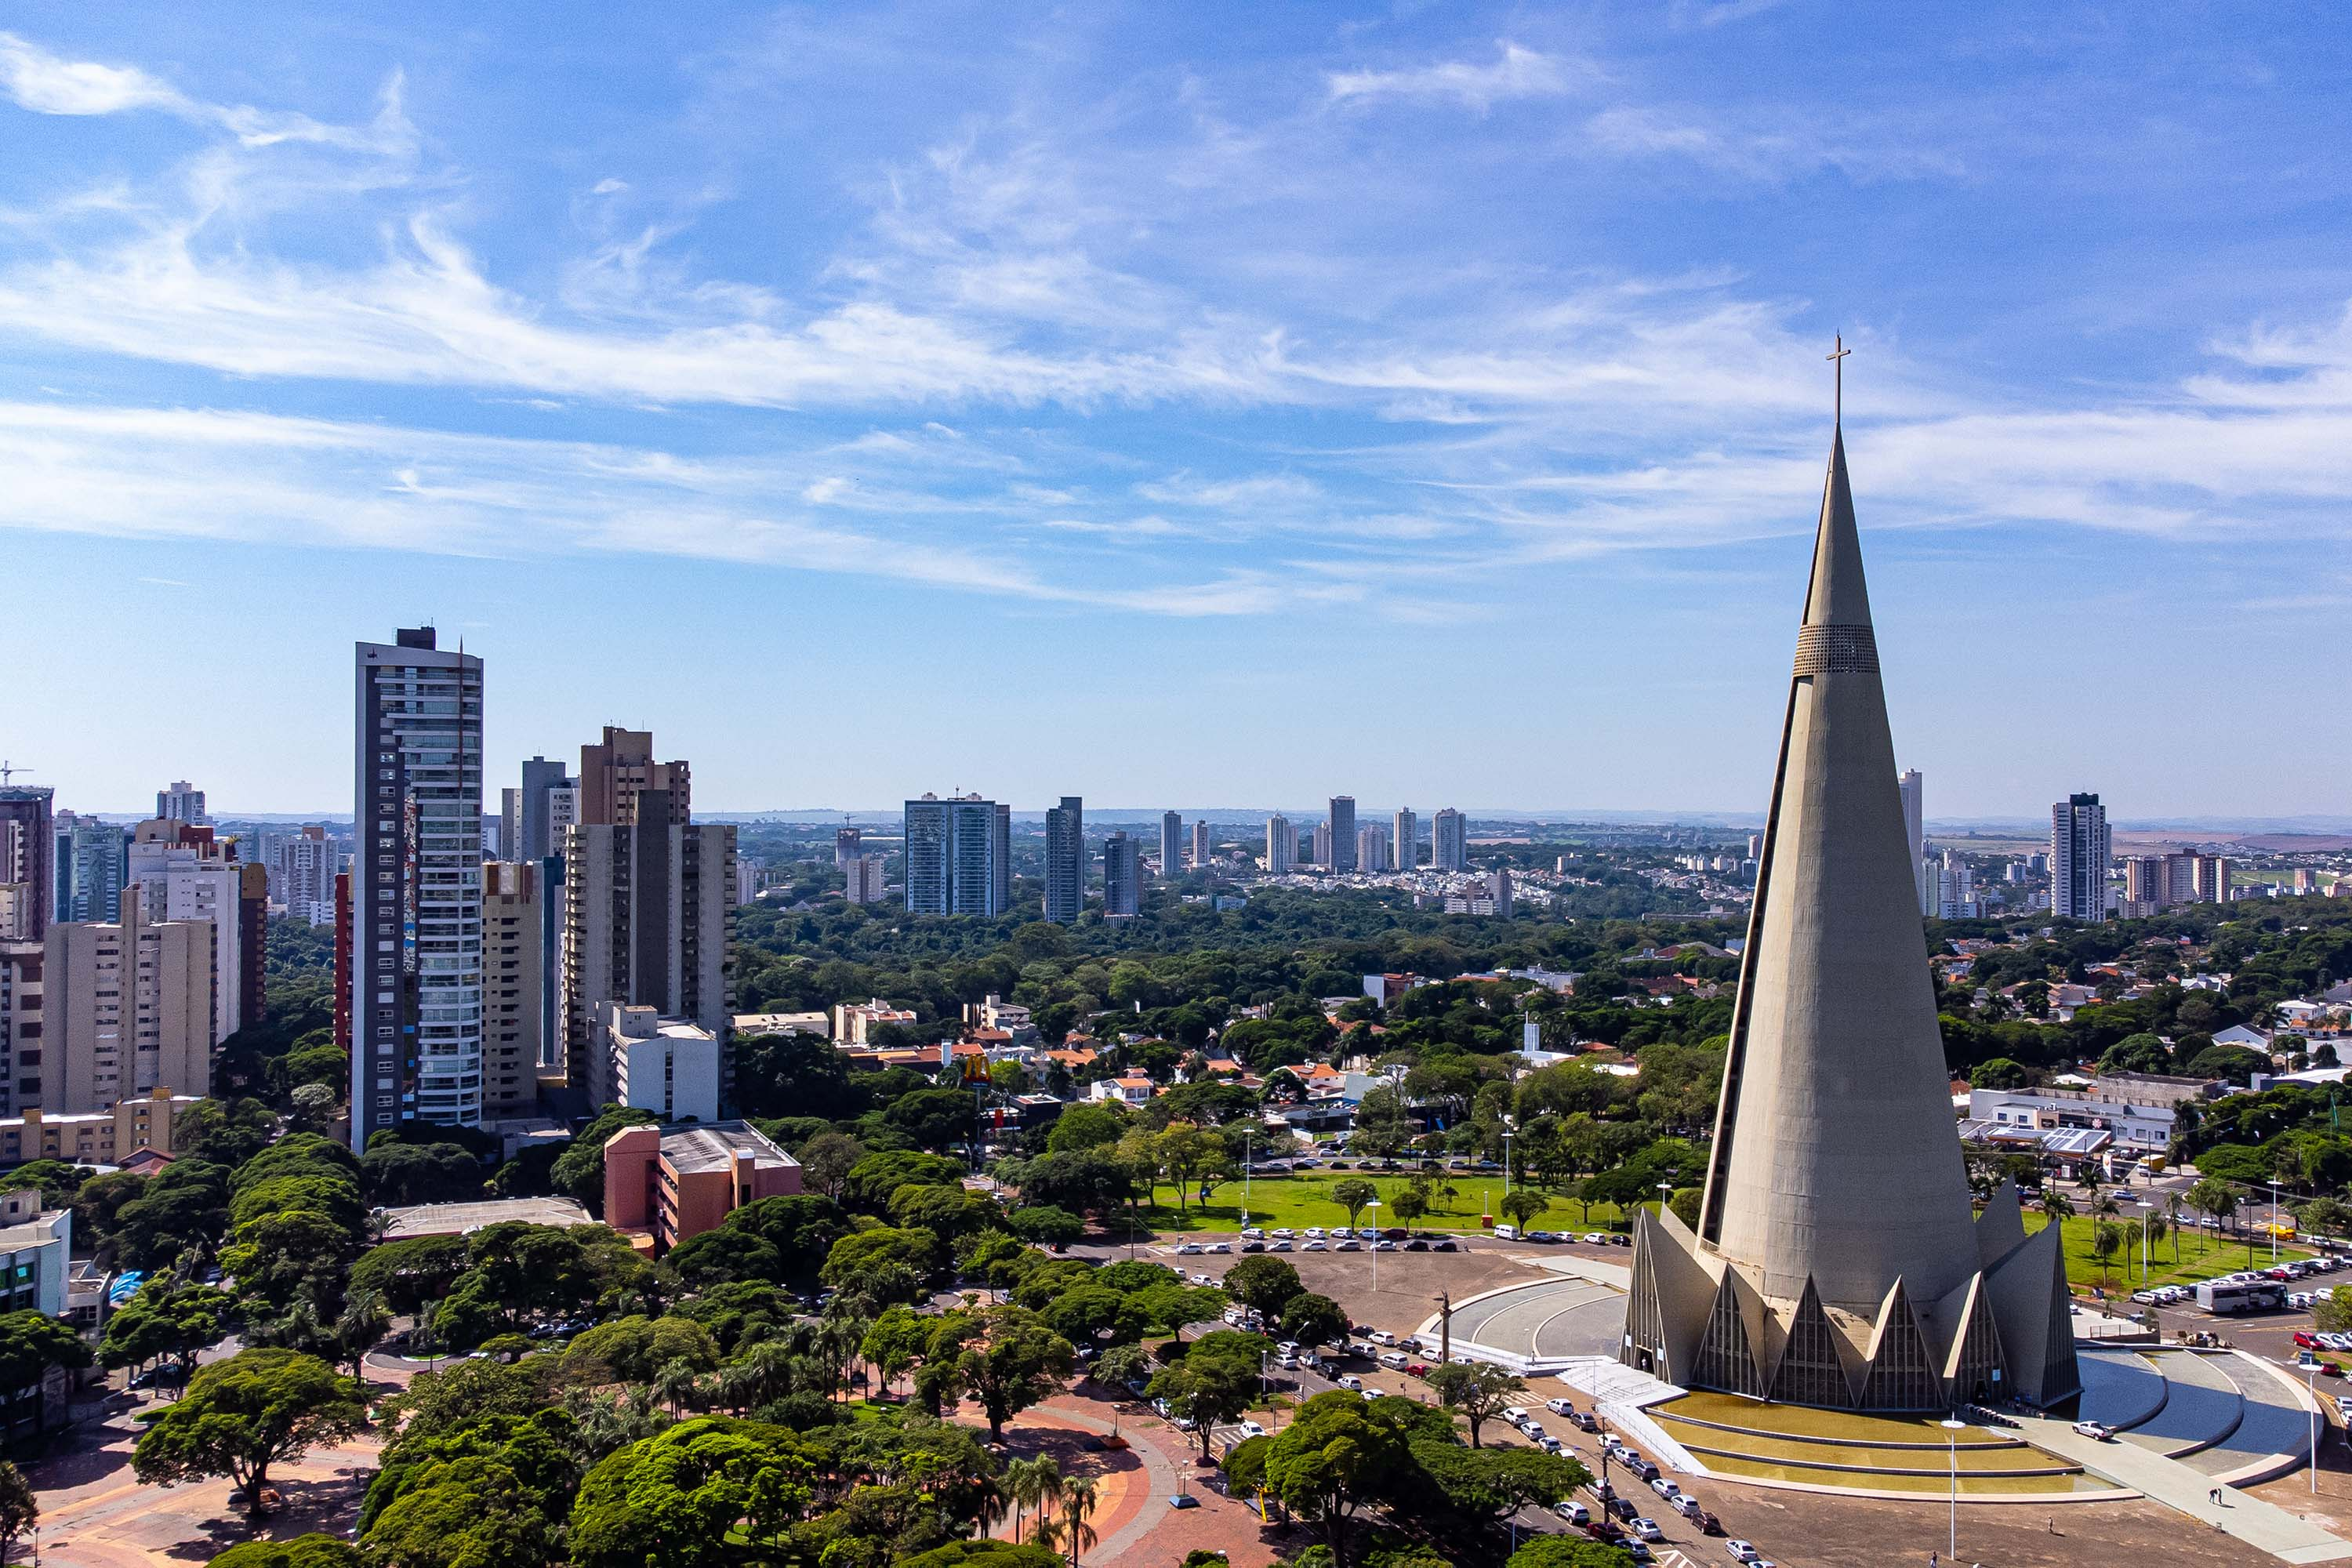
(1666, 1489)
(1561, 1406)
(1382, 1337)
(1277, 1246)
(1347, 1247)
(1251, 1429)
(1574, 1512)
(1687, 1505)
(1289, 1347)
(1284, 1232)
(1646, 1530)
(1596, 1238)
(1189, 1249)
(1316, 1231)
(1220, 1246)
(1203, 1279)
(1253, 1233)
(1350, 1382)
(1743, 1551)
(1395, 1361)
(1314, 1247)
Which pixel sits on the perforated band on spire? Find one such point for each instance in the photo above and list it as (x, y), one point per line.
(1836, 650)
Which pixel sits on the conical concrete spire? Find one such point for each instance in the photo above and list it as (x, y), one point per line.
(1836, 1159)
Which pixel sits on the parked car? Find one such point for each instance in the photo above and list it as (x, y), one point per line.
(1574, 1512)
(1443, 1246)
(1315, 1231)
(1743, 1551)
(1584, 1420)
(1252, 1230)
(1382, 1337)
(1253, 1246)
(2096, 1431)
(1350, 1381)
(1284, 1232)
(1395, 1361)
(1277, 1246)
(1219, 1247)
(1645, 1530)
(1189, 1249)
(1687, 1505)
(1314, 1247)
(1347, 1247)
(1561, 1406)
(1666, 1489)
(1596, 1238)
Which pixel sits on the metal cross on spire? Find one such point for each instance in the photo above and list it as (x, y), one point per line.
(1837, 358)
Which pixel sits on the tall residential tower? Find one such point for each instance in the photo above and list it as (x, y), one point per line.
(1065, 861)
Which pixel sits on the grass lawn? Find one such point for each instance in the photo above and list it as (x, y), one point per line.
(2202, 1256)
(1304, 1200)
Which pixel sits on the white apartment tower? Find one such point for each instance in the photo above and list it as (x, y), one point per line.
(1408, 834)
(1449, 842)
(1914, 828)
(416, 884)
(1281, 846)
(1199, 845)
(183, 801)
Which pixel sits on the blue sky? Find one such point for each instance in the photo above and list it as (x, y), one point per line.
(1201, 404)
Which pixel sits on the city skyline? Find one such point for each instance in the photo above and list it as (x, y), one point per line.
(1031, 359)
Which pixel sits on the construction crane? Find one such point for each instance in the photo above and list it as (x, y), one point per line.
(9, 770)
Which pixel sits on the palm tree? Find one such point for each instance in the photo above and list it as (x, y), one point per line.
(1077, 1506)
(2173, 1206)
(1028, 1483)
(364, 1321)
(675, 1385)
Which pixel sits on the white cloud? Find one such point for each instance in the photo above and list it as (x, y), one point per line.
(1517, 72)
(35, 79)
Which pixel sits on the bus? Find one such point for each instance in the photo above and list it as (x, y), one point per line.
(2224, 1297)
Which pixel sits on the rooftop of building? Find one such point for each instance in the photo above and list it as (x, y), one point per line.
(458, 1219)
(715, 1147)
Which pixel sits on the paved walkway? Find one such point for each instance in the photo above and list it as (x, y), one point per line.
(2179, 1487)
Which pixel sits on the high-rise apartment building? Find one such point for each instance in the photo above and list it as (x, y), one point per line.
(1501, 894)
(1065, 860)
(508, 836)
(302, 875)
(23, 1019)
(416, 884)
(1199, 845)
(1371, 849)
(2079, 852)
(1318, 841)
(1281, 846)
(1406, 850)
(1122, 878)
(1172, 844)
(618, 769)
(28, 849)
(1449, 841)
(649, 912)
(183, 801)
(184, 873)
(1912, 789)
(127, 1009)
(844, 846)
(514, 985)
(537, 834)
(1343, 833)
(93, 859)
(2210, 878)
(867, 884)
(959, 856)
(750, 874)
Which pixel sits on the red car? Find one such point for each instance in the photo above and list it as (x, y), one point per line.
(1416, 1369)
(2306, 1339)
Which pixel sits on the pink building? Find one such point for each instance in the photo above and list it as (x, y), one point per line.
(665, 1184)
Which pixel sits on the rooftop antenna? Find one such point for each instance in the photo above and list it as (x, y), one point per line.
(9, 770)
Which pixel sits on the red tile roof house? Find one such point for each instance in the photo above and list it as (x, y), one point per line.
(665, 1184)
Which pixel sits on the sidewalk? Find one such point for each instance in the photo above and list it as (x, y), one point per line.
(2261, 1525)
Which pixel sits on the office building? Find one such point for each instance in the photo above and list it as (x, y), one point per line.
(1065, 860)
(127, 1008)
(28, 850)
(36, 1258)
(1172, 844)
(416, 884)
(648, 912)
(1406, 850)
(1199, 845)
(183, 801)
(184, 873)
(2210, 878)
(668, 1065)
(506, 844)
(1449, 841)
(1912, 789)
(2079, 852)
(866, 882)
(1281, 846)
(92, 857)
(959, 856)
(1837, 1260)
(1371, 849)
(617, 770)
(1343, 833)
(668, 1185)
(514, 986)
(538, 833)
(1122, 878)
(845, 846)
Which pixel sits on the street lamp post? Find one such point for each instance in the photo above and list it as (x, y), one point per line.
(2312, 1380)
(1249, 1141)
(1952, 1430)
(1376, 1247)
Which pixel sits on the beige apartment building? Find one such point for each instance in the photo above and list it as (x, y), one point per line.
(95, 1137)
(514, 975)
(127, 1008)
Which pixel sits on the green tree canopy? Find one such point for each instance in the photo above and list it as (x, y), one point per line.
(239, 1416)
